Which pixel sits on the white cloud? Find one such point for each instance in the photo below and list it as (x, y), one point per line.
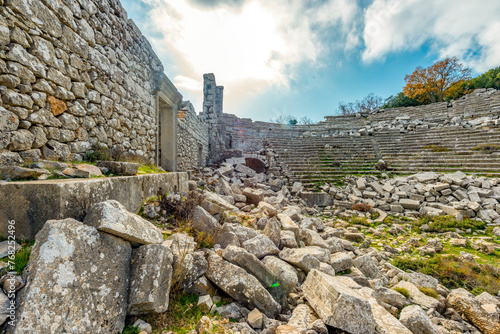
(250, 45)
(463, 28)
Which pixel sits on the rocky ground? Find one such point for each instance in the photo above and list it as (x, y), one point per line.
(244, 253)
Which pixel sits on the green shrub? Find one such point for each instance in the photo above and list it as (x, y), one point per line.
(149, 169)
(448, 224)
(131, 330)
(436, 148)
(98, 152)
(22, 258)
(429, 292)
(181, 317)
(454, 273)
(487, 147)
(402, 291)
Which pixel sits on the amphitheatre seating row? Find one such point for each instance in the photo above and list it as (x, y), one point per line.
(317, 160)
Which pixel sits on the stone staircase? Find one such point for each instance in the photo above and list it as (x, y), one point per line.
(317, 160)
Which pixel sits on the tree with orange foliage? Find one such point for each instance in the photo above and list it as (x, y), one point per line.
(446, 78)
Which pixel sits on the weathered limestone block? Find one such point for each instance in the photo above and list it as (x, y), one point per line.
(254, 196)
(368, 267)
(150, 279)
(240, 285)
(409, 204)
(341, 262)
(287, 239)
(385, 323)
(391, 297)
(250, 263)
(312, 238)
(287, 224)
(302, 318)
(337, 304)
(8, 120)
(215, 204)
(19, 173)
(120, 168)
(284, 274)
(261, 246)
(273, 231)
(471, 309)
(204, 222)
(415, 319)
(300, 257)
(21, 140)
(417, 297)
(77, 281)
(112, 217)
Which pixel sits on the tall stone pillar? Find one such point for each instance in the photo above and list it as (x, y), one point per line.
(212, 108)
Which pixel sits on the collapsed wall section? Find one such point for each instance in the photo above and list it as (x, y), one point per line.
(75, 73)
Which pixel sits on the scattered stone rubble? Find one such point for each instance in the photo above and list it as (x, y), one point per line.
(286, 269)
(13, 167)
(455, 194)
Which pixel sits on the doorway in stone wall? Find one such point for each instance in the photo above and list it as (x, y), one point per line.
(200, 155)
(167, 139)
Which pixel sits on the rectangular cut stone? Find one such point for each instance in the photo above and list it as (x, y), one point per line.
(150, 279)
(112, 217)
(337, 304)
(409, 204)
(32, 203)
(78, 281)
(316, 198)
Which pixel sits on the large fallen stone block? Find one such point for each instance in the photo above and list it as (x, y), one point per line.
(245, 170)
(409, 204)
(254, 196)
(215, 204)
(316, 198)
(273, 231)
(368, 267)
(415, 319)
(248, 261)
(286, 277)
(203, 221)
(240, 285)
(120, 168)
(341, 261)
(337, 304)
(261, 246)
(417, 297)
(312, 238)
(150, 279)
(391, 297)
(305, 258)
(77, 281)
(471, 309)
(385, 323)
(302, 317)
(113, 218)
(287, 224)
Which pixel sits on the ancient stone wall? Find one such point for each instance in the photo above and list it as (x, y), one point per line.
(192, 138)
(75, 73)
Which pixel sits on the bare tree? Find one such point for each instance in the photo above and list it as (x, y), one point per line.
(305, 120)
(367, 104)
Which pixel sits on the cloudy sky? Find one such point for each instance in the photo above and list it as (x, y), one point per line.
(301, 57)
